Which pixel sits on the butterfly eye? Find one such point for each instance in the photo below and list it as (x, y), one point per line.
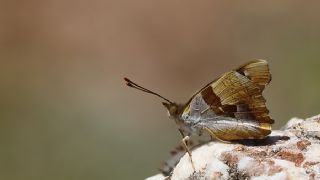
(173, 110)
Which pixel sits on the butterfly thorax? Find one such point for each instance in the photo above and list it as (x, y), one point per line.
(175, 112)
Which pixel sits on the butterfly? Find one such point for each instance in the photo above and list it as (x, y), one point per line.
(229, 108)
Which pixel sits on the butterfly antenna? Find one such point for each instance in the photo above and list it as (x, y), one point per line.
(136, 86)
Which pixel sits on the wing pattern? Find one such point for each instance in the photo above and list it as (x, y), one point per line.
(239, 87)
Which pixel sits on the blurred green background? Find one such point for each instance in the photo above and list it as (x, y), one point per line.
(65, 111)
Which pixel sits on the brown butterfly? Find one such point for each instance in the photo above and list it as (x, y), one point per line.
(229, 108)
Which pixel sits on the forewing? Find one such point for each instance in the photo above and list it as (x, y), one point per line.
(257, 71)
(235, 89)
(239, 92)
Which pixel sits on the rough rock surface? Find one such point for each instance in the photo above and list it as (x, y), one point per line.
(290, 153)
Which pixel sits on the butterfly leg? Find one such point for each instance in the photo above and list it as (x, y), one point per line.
(213, 136)
(185, 140)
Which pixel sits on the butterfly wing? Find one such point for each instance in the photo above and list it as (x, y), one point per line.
(234, 89)
(238, 94)
(257, 71)
(235, 95)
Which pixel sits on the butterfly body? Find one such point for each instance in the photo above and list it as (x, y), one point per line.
(230, 108)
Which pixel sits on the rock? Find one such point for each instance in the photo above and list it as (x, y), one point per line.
(290, 153)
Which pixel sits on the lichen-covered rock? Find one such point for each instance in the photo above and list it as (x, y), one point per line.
(290, 153)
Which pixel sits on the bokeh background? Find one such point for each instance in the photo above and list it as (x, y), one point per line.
(65, 111)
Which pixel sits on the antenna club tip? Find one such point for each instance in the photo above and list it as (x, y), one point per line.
(126, 79)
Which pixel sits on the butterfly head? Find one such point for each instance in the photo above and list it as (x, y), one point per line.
(174, 110)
